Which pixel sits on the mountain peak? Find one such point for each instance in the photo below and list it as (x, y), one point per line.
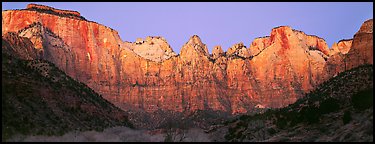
(282, 68)
(366, 27)
(195, 39)
(238, 49)
(195, 44)
(217, 51)
(258, 45)
(154, 48)
(281, 35)
(287, 37)
(282, 27)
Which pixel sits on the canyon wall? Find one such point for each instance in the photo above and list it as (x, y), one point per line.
(274, 71)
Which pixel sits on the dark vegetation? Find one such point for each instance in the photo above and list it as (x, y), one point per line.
(349, 92)
(235, 56)
(363, 99)
(52, 104)
(58, 14)
(313, 48)
(69, 15)
(347, 117)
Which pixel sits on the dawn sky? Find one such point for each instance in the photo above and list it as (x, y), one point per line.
(219, 23)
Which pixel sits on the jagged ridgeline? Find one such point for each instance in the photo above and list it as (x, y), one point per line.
(40, 99)
(148, 75)
(154, 85)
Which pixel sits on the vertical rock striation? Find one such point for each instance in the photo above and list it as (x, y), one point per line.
(273, 72)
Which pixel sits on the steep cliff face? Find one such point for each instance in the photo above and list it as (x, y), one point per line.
(84, 50)
(17, 46)
(343, 46)
(351, 53)
(217, 52)
(238, 50)
(258, 45)
(47, 44)
(147, 74)
(336, 62)
(285, 69)
(361, 51)
(312, 41)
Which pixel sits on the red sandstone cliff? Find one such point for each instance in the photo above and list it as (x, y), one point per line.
(361, 51)
(348, 54)
(274, 72)
(343, 46)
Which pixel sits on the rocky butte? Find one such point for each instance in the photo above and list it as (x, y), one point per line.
(273, 71)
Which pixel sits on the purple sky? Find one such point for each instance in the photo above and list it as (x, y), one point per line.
(219, 23)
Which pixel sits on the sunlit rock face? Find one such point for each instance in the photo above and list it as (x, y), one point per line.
(258, 45)
(286, 67)
(152, 48)
(146, 74)
(217, 52)
(343, 47)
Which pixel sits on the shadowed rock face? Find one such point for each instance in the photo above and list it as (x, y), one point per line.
(331, 112)
(17, 46)
(362, 46)
(147, 74)
(352, 53)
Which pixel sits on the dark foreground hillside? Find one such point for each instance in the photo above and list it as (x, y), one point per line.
(39, 99)
(341, 109)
